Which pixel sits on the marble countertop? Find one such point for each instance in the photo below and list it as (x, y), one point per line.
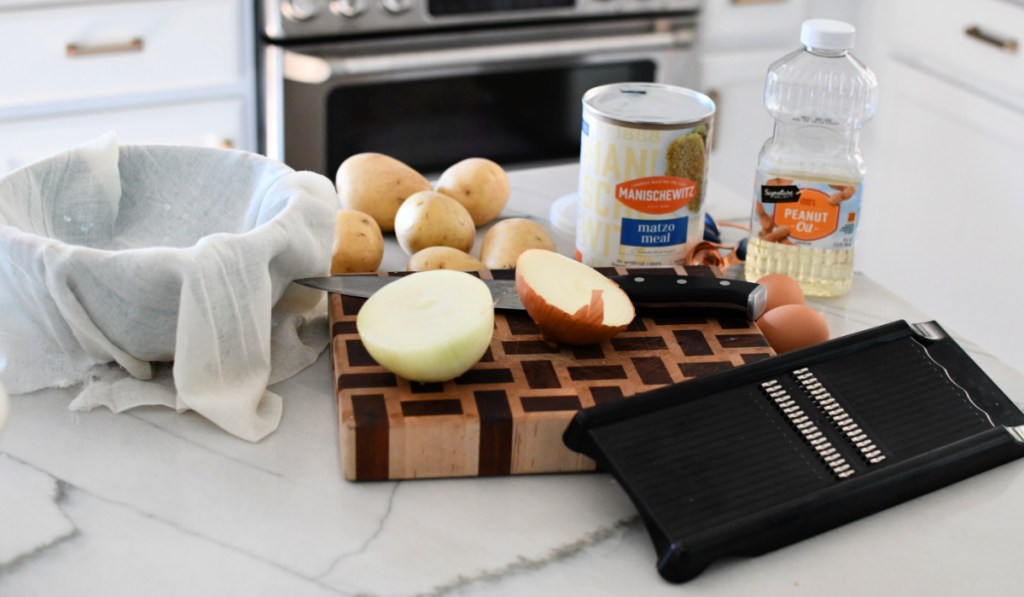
(150, 502)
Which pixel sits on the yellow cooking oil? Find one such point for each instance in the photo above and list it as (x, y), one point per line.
(807, 191)
(820, 272)
(823, 210)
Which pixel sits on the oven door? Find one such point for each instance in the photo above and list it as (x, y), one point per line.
(509, 94)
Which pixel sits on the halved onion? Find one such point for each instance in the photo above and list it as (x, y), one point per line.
(428, 326)
(570, 302)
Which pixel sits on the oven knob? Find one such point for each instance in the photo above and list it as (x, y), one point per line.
(301, 10)
(348, 8)
(396, 6)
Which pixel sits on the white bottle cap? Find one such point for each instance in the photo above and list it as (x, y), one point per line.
(826, 34)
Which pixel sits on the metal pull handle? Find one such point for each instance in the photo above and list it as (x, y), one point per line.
(73, 50)
(1007, 44)
(304, 68)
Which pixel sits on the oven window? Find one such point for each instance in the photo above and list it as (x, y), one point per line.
(513, 118)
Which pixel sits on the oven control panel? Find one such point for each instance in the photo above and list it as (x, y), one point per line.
(283, 20)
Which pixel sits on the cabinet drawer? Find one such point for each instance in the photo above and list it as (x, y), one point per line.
(976, 43)
(71, 53)
(210, 123)
(942, 198)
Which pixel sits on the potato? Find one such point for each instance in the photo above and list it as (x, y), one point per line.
(443, 258)
(358, 243)
(377, 184)
(480, 185)
(507, 239)
(429, 219)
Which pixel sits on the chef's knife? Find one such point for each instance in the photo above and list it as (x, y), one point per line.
(655, 291)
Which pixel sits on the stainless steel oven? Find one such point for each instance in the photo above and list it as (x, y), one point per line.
(434, 81)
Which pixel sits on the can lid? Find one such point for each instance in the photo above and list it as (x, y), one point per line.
(652, 104)
(827, 34)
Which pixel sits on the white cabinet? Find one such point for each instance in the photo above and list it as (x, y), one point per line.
(154, 71)
(976, 43)
(736, 25)
(942, 207)
(739, 39)
(211, 123)
(735, 81)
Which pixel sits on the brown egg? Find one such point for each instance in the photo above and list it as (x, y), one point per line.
(790, 327)
(782, 290)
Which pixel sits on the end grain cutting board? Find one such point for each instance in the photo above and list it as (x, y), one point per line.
(507, 414)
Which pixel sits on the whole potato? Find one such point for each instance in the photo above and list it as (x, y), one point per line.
(377, 184)
(478, 184)
(429, 219)
(358, 243)
(507, 239)
(443, 258)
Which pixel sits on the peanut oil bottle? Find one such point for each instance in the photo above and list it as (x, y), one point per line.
(807, 193)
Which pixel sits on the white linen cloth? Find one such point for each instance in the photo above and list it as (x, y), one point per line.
(161, 275)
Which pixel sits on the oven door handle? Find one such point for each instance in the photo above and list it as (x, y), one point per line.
(306, 68)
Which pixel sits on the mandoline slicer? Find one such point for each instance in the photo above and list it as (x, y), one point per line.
(754, 458)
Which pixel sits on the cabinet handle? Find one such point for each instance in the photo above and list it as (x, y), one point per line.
(315, 69)
(1007, 44)
(73, 50)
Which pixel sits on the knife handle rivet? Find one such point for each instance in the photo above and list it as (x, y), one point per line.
(680, 280)
(638, 279)
(724, 282)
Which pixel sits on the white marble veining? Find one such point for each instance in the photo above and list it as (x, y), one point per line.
(150, 502)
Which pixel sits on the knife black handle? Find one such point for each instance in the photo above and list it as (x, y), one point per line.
(704, 292)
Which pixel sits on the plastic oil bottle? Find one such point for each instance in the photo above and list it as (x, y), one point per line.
(807, 192)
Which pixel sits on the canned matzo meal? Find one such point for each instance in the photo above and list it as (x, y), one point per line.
(643, 166)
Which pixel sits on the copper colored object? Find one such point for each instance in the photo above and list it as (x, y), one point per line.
(731, 258)
(705, 253)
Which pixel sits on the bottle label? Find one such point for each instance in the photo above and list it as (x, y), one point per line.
(805, 213)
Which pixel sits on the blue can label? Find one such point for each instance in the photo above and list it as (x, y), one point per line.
(653, 233)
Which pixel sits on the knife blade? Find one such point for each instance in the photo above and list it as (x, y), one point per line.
(654, 291)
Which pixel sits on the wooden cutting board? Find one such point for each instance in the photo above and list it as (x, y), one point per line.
(506, 415)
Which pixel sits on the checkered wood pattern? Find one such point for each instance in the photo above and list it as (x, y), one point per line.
(507, 414)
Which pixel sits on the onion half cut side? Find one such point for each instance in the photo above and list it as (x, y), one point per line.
(428, 326)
